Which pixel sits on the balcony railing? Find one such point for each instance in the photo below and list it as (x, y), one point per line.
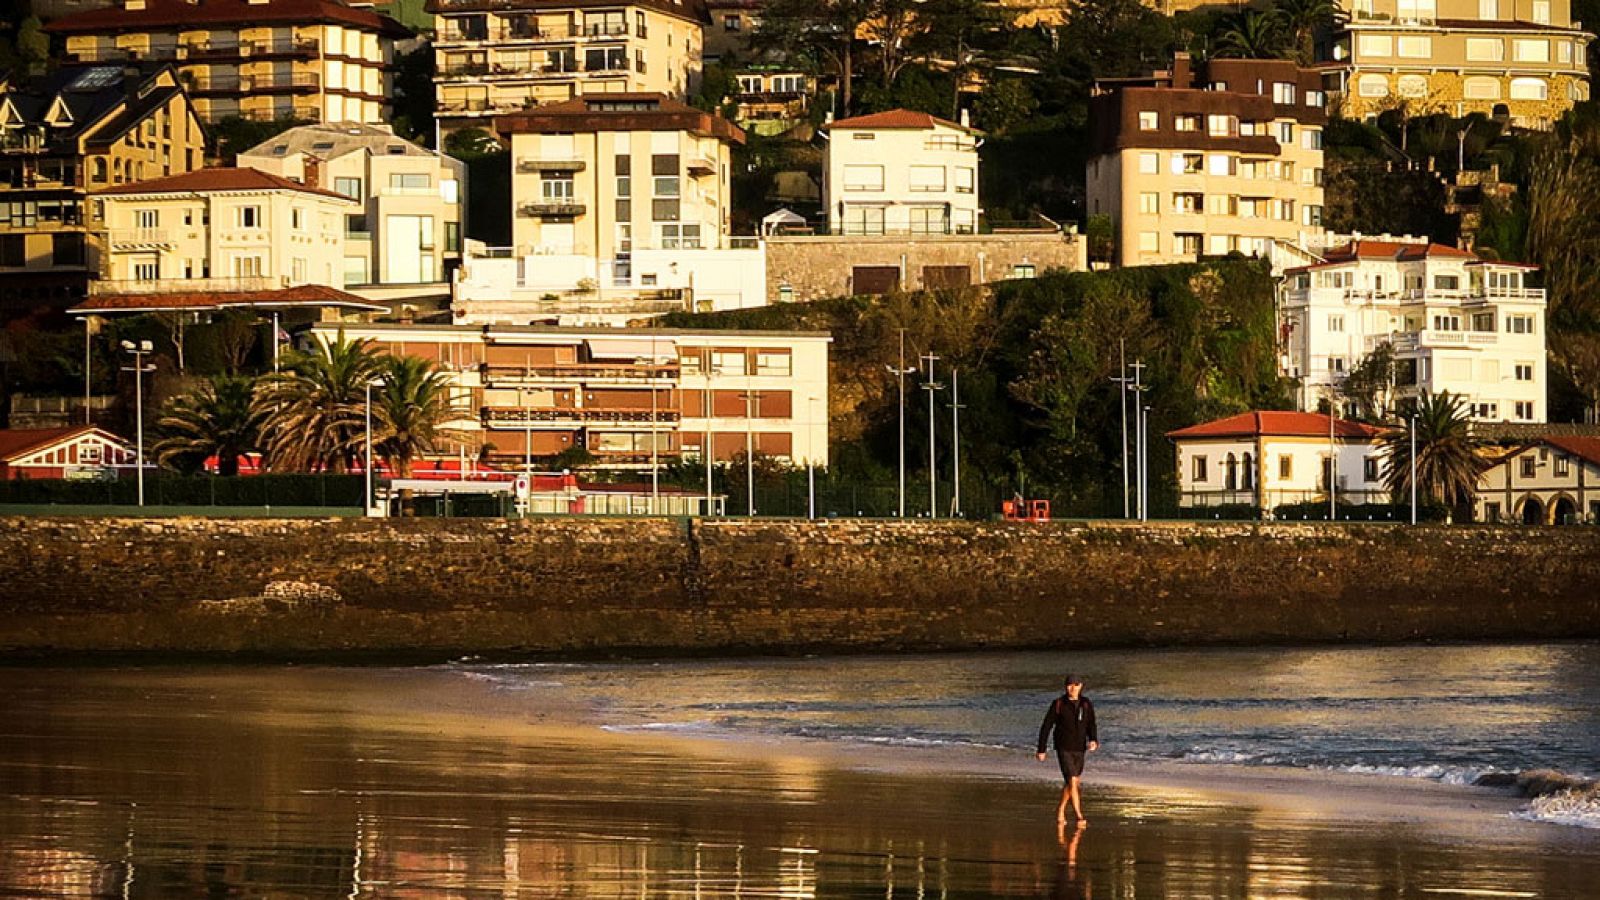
(577, 372)
(515, 415)
(552, 209)
(184, 285)
(141, 239)
(526, 165)
(21, 140)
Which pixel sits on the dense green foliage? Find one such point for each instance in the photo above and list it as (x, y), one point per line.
(1035, 359)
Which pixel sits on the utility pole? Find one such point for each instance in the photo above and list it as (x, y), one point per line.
(139, 369)
(706, 445)
(931, 387)
(1122, 381)
(1333, 468)
(900, 372)
(751, 397)
(1414, 468)
(1140, 439)
(955, 437)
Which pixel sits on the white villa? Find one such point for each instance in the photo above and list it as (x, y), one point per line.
(901, 172)
(1457, 323)
(1274, 458)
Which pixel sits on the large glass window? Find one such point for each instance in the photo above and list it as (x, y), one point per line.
(863, 178)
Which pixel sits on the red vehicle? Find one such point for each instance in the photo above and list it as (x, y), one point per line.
(1020, 510)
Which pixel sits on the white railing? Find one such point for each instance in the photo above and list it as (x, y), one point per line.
(184, 285)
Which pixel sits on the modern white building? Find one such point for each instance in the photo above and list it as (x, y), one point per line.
(901, 172)
(621, 207)
(527, 394)
(1457, 323)
(405, 236)
(1554, 480)
(1276, 458)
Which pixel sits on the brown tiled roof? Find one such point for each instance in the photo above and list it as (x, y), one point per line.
(897, 118)
(590, 113)
(182, 14)
(1503, 25)
(305, 295)
(218, 179)
(1585, 448)
(1276, 423)
(15, 442)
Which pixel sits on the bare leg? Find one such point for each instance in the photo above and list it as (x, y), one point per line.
(1061, 811)
(1077, 803)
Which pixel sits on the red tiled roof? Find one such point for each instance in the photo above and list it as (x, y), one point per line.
(17, 442)
(597, 112)
(218, 179)
(896, 118)
(1395, 250)
(182, 14)
(1585, 448)
(1276, 423)
(305, 295)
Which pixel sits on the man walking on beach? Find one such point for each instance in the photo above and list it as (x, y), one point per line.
(1071, 719)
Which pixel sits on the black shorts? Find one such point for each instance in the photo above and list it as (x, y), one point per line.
(1071, 763)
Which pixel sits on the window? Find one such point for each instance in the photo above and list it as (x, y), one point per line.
(1481, 87)
(1149, 242)
(863, 220)
(966, 178)
(297, 269)
(1186, 244)
(1486, 49)
(1188, 204)
(863, 178)
(1149, 121)
(927, 179)
(249, 217)
(356, 227)
(1519, 324)
(1199, 469)
(1318, 99)
(1413, 86)
(605, 59)
(1524, 371)
(1186, 123)
(1022, 270)
(410, 182)
(452, 237)
(1221, 126)
(665, 185)
(1373, 86)
(246, 266)
(773, 362)
(1188, 163)
(729, 23)
(146, 268)
(1529, 465)
(1488, 10)
(1523, 50)
(556, 189)
(1375, 45)
(728, 362)
(1541, 11)
(1483, 321)
(1149, 164)
(1446, 322)
(1222, 205)
(1525, 411)
(1414, 47)
(1447, 283)
(1336, 323)
(147, 218)
(1491, 512)
(1336, 364)
(1369, 469)
(1286, 133)
(1149, 203)
(1311, 138)
(1529, 89)
(684, 236)
(1283, 93)
(1285, 466)
(450, 190)
(1220, 164)
(297, 219)
(1485, 410)
(350, 187)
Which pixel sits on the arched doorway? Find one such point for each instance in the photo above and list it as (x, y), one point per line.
(1249, 479)
(1232, 473)
(1564, 511)
(1532, 511)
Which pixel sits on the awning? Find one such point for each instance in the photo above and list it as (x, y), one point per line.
(661, 349)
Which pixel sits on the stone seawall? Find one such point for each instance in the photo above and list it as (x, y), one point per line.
(308, 588)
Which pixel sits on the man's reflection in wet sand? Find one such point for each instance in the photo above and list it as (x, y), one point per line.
(1069, 884)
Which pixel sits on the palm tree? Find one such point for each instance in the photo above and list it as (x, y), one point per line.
(1302, 19)
(215, 418)
(1253, 35)
(1448, 461)
(314, 410)
(411, 405)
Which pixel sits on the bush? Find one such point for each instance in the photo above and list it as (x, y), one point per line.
(1317, 511)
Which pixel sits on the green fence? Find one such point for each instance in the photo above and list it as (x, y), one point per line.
(164, 490)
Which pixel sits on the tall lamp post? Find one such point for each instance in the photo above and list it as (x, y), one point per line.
(900, 372)
(1413, 468)
(811, 459)
(366, 463)
(955, 437)
(706, 445)
(1122, 382)
(88, 368)
(139, 369)
(931, 387)
(751, 396)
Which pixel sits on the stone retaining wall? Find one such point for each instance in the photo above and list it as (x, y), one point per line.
(304, 588)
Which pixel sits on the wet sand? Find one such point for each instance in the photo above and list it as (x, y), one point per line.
(402, 783)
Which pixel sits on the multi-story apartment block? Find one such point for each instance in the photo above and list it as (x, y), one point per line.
(1522, 59)
(1224, 158)
(528, 394)
(407, 232)
(319, 60)
(68, 133)
(499, 56)
(901, 172)
(222, 229)
(1275, 458)
(620, 204)
(1455, 322)
(730, 26)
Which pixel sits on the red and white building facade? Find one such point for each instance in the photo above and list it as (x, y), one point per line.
(53, 453)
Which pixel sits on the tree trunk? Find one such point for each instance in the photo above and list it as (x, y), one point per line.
(846, 72)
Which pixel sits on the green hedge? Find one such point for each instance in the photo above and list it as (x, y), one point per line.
(201, 490)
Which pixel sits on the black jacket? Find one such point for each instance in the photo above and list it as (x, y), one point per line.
(1073, 725)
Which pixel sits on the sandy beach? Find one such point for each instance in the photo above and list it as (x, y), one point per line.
(405, 782)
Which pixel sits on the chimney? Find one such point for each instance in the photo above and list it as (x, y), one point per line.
(312, 178)
(132, 81)
(966, 118)
(1182, 74)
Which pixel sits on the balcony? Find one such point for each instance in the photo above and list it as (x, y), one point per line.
(21, 140)
(700, 167)
(206, 50)
(552, 209)
(518, 417)
(134, 239)
(581, 373)
(535, 166)
(184, 285)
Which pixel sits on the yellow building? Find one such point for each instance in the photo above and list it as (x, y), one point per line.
(1193, 163)
(66, 134)
(1521, 59)
(499, 56)
(317, 60)
(222, 229)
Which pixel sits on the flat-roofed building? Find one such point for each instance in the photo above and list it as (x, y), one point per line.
(1454, 323)
(1525, 60)
(498, 56)
(533, 393)
(901, 172)
(404, 238)
(1209, 160)
(620, 209)
(63, 135)
(315, 60)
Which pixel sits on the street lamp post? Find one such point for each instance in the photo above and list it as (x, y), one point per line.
(1139, 437)
(1122, 381)
(139, 369)
(706, 445)
(900, 372)
(931, 387)
(1333, 467)
(88, 366)
(811, 459)
(366, 465)
(751, 395)
(955, 437)
(1413, 468)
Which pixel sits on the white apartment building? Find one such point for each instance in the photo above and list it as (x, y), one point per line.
(405, 235)
(1275, 458)
(1456, 323)
(530, 393)
(901, 172)
(222, 227)
(620, 210)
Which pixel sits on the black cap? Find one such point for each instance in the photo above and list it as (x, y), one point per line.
(1072, 678)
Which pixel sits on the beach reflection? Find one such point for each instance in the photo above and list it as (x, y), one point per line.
(364, 783)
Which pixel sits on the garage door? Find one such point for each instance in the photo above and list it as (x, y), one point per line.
(875, 279)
